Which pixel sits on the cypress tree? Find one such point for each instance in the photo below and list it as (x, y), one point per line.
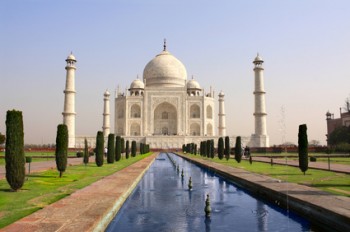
(204, 148)
(133, 148)
(118, 148)
(86, 152)
(142, 149)
(208, 148)
(61, 148)
(111, 149)
(123, 144)
(212, 149)
(183, 148)
(127, 149)
(303, 148)
(99, 149)
(227, 148)
(221, 148)
(238, 149)
(14, 150)
(195, 149)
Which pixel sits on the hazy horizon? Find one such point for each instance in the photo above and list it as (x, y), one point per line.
(305, 46)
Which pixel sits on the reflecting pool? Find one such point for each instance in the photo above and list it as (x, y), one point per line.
(162, 201)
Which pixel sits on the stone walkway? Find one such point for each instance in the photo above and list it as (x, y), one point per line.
(319, 207)
(44, 165)
(88, 209)
(343, 168)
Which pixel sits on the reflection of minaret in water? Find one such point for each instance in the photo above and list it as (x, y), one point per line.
(69, 100)
(261, 215)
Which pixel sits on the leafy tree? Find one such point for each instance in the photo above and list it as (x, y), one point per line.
(303, 148)
(227, 148)
(61, 148)
(110, 149)
(221, 148)
(99, 149)
(2, 139)
(118, 148)
(86, 152)
(133, 148)
(339, 135)
(238, 149)
(127, 149)
(14, 151)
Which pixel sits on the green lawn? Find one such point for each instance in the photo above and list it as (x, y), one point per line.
(37, 156)
(46, 187)
(335, 183)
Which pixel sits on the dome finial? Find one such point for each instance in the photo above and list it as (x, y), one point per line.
(164, 46)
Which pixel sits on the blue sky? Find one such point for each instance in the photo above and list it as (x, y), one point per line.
(305, 45)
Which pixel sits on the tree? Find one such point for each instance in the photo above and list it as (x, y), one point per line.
(2, 139)
(238, 149)
(127, 149)
(195, 149)
(110, 149)
(208, 148)
(221, 148)
(118, 148)
(14, 151)
(227, 148)
(99, 149)
(86, 152)
(133, 148)
(61, 148)
(123, 144)
(339, 135)
(303, 148)
(212, 149)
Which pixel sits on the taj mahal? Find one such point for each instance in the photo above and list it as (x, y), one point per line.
(166, 109)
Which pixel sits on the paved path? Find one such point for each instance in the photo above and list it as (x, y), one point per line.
(343, 168)
(88, 209)
(44, 165)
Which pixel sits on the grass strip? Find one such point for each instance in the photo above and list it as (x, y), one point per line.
(46, 187)
(332, 182)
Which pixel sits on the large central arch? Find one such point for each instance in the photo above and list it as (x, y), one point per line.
(165, 119)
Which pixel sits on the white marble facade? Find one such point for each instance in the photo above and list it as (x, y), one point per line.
(166, 110)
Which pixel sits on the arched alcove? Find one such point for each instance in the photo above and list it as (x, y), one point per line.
(194, 111)
(165, 119)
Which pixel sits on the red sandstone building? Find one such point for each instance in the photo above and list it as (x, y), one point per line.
(333, 123)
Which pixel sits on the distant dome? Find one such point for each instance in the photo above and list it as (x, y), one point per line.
(137, 84)
(107, 93)
(165, 70)
(192, 84)
(221, 94)
(71, 57)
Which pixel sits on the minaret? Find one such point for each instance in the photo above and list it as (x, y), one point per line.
(69, 100)
(222, 119)
(260, 138)
(106, 118)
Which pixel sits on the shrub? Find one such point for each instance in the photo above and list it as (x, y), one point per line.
(118, 148)
(80, 154)
(99, 149)
(111, 149)
(313, 159)
(86, 152)
(14, 150)
(61, 148)
(303, 148)
(123, 145)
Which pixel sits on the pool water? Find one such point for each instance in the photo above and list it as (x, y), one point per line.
(162, 201)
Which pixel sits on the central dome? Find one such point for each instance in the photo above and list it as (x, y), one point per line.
(165, 70)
